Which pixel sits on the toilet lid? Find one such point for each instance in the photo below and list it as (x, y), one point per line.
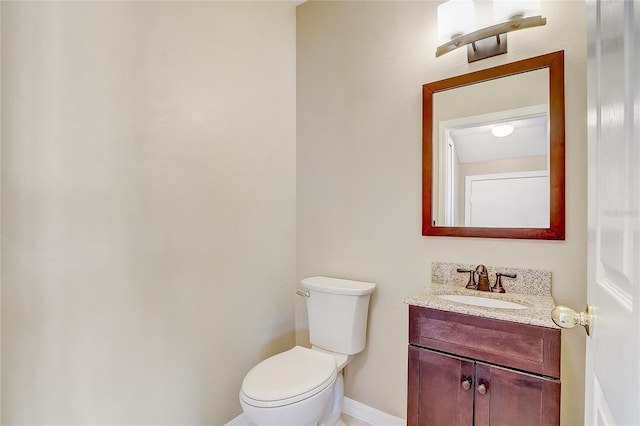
(288, 377)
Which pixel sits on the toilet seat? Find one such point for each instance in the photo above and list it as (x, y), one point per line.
(288, 377)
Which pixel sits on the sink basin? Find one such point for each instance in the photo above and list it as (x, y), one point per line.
(482, 301)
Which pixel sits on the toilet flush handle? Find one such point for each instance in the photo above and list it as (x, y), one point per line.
(303, 294)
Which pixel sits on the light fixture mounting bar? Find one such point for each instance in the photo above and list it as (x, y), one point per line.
(492, 31)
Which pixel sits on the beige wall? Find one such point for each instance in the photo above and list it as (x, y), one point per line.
(0, 215)
(148, 206)
(360, 70)
(509, 165)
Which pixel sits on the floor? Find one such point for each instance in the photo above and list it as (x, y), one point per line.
(347, 420)
(352, 421)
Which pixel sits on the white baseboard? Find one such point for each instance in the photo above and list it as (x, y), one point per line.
(241, 420)
(370, 414)
(351, 407)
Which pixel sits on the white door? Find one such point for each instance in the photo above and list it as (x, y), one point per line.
(613, 290)
(512, 200)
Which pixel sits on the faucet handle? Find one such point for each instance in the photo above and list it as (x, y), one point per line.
(471, 284)
(497, 287)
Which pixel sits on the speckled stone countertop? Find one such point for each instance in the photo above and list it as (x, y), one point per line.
(538, 299)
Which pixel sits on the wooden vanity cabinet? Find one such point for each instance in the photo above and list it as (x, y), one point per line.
(467, 370)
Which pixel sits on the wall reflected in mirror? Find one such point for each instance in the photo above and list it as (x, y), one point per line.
(488, 179)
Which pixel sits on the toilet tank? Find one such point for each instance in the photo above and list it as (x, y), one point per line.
(337, 310)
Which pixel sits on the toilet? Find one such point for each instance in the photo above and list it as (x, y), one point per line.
(301, 386)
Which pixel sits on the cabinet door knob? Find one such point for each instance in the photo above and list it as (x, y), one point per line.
(482, 388)
(466, 383)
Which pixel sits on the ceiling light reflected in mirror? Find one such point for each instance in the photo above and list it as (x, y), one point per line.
(502, 130)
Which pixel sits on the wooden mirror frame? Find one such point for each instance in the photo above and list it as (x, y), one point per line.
(556, 231)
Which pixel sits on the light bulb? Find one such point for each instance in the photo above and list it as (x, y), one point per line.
(455, 18)
(502, 130)
(506, 10)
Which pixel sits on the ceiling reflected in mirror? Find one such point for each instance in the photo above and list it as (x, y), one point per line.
(475, 143)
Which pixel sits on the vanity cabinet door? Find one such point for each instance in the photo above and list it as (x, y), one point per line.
(513, 398)
(513, 368)
(441, 389)
(438, 395)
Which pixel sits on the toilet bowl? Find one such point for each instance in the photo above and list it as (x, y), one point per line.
(301, 386)
(291, 388)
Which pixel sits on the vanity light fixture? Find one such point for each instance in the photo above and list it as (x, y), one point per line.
(456, 23)
(502, 130)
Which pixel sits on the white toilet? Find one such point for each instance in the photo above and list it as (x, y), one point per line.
(304, 387)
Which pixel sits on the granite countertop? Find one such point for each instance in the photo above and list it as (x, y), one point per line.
(539, 312)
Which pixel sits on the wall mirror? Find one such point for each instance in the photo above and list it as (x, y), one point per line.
(493, 152)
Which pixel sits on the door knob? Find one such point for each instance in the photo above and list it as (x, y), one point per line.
(466, 383)
(568, 318)
(482, 388)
